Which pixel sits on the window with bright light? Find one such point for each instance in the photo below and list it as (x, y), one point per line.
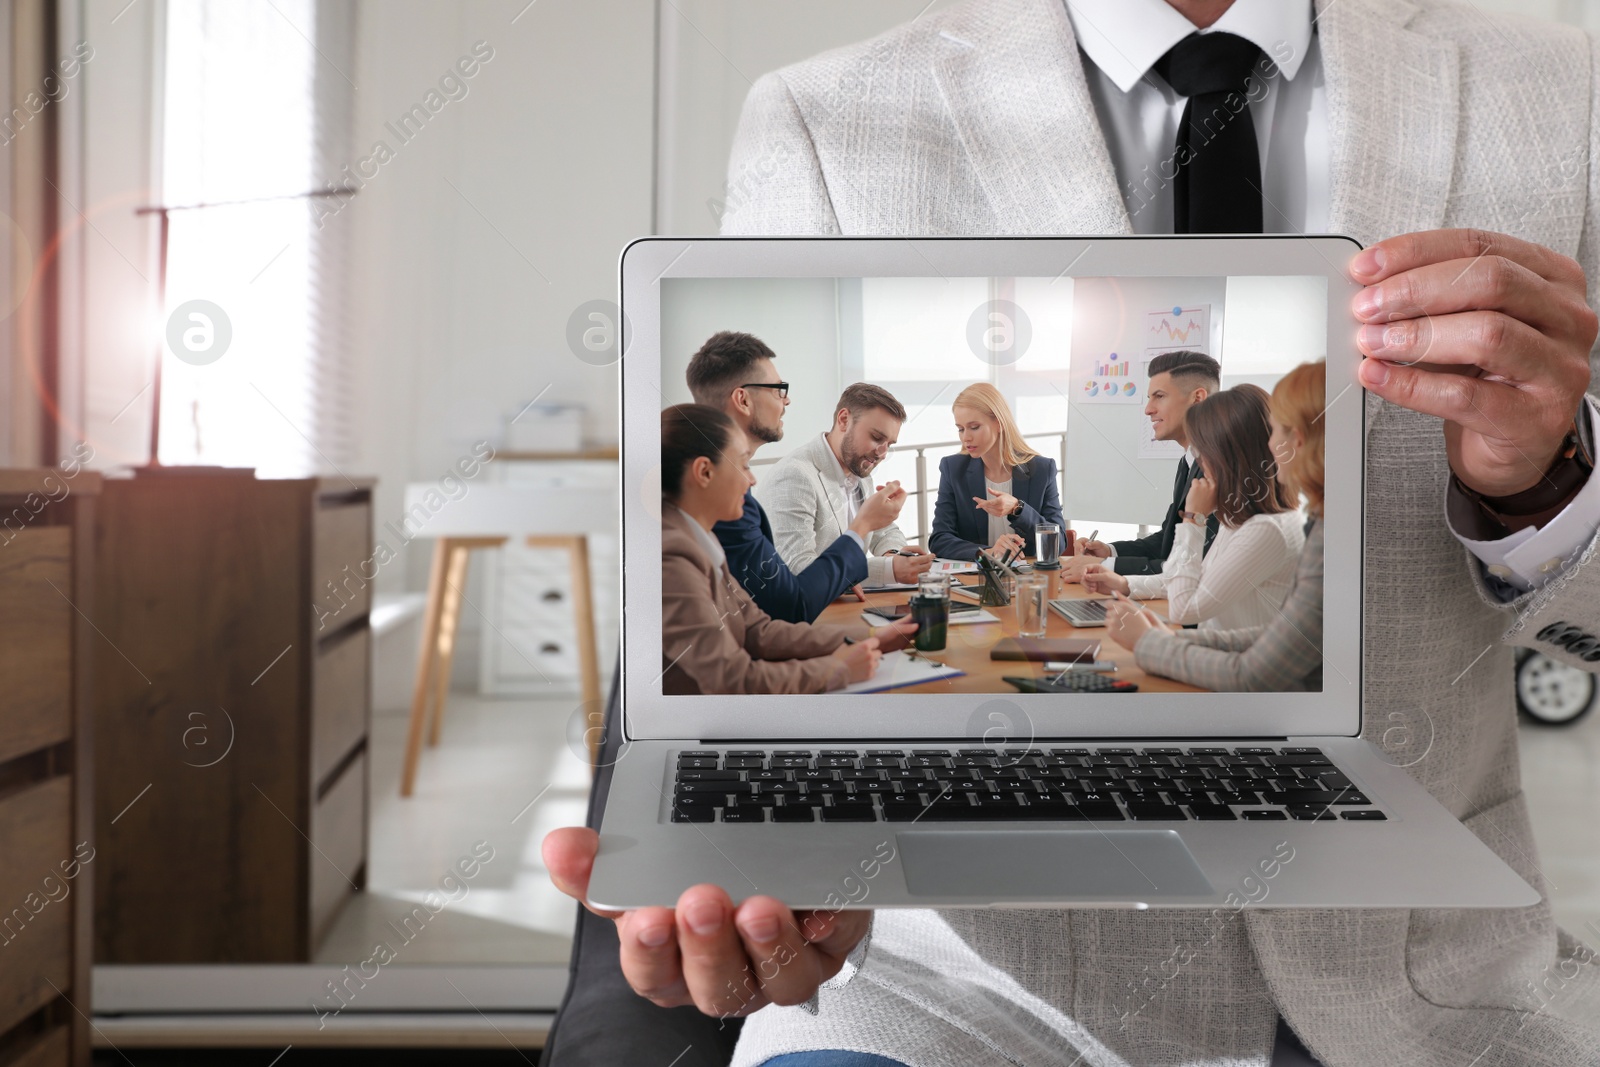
(246, 92)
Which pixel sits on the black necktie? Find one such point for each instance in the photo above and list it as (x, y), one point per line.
(1217, 185)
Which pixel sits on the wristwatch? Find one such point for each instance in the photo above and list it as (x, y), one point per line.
(1193, 516)
(1489, 518)
(1016, 510)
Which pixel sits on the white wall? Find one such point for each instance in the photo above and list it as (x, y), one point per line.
(798, 318)
(479, 240)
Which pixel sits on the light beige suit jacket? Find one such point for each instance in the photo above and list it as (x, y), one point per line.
(975, 119)
(714, 639)
(805, 504)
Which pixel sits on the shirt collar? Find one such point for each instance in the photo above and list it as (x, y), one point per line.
(708, 541)
(1124, 38)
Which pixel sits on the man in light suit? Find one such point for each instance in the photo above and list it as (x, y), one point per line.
(816, 493)
(1473, 137)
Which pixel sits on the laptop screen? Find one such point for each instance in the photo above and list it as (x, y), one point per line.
(1056, 495)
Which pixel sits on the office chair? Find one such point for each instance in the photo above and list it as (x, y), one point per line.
(601, 1021)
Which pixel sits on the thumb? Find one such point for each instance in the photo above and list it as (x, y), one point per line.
(871, 643)
(995, 492)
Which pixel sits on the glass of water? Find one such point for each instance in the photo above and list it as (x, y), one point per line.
(1048, 537)
(1032, 591)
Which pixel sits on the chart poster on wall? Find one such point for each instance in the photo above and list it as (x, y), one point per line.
(1179, 327)
(1171, 329)
(1111, 381)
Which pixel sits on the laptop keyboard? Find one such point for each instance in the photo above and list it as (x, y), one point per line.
(1014, 784)
(1081, 612)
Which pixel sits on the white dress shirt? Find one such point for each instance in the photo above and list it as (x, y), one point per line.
(1241, 582)
(1139, 113)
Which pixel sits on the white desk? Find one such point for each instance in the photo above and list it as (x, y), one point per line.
(557, 513)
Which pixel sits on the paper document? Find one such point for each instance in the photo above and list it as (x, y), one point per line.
(953, 566)
(898, 669)
(956, 617)
(888, 587)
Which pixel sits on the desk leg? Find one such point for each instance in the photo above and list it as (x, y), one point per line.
(455, 588)
(425, 662)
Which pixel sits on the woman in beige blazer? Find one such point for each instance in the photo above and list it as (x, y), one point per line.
(714, 639)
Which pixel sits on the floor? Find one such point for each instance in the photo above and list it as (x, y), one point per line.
(1561, 776)
(501, 778)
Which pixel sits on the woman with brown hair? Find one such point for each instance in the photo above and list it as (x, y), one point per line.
(1286, 652)
(997, 489)
(1244, 578)
(714, 639)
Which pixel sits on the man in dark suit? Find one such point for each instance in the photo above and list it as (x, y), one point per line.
(1178, 381)
(735, 372)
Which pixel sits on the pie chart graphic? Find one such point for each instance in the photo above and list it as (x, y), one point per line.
(1092, 388)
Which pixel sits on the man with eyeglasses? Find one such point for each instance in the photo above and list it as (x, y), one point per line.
(735, 373)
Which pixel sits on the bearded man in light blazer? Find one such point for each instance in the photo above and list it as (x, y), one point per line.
(1469, 136)
(814, 494)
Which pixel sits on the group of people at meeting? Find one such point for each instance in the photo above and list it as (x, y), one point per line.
(743, 583)
(1235, 558)
(744, 580)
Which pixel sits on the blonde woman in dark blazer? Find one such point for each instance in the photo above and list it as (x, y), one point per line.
(714, 639)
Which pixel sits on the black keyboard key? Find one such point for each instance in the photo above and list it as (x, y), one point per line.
(793, 813)
(754, 753)
(806, 775)
(1211, 812)
(789, 763)
(1144, 809)
(882, 763)
(1367, 815)
(697, 763)
(693, 813)
(850, 811)
(699, 753)
(742, 763)
(868, 788)
(1298, 761)
(1162, 751)
(1295, 750)
(836, 763)
(861, 776)
(1099, 811)
(779, 789)
(1263, 815)
(712, 788)
(1312, 813)
(707, 776)
(766, 776)
(781, 753)
(829, 787)
(744, 813)
(1254, 751)
(849, 752)
(1305, 797)
(1333, 780)
(1208, 752)
(893, 753)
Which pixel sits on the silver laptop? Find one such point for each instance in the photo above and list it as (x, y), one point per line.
(965, 790)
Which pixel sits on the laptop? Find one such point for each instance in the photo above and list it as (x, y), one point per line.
(963, 791)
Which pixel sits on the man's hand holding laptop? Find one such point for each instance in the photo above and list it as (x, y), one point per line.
(725, 959)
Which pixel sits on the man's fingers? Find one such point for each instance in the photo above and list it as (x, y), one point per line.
(1410, 250)
(834, 933)
(569, 857)
(786, 968)
(715, 968)
(1492, 282)
(1490, 340)
(649, 954)
(1482, 405)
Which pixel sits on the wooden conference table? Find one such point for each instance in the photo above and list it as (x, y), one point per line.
(968, 644)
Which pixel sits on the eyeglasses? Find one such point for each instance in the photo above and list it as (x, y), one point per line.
(781, 387)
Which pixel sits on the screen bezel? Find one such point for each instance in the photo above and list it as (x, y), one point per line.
(648, 714)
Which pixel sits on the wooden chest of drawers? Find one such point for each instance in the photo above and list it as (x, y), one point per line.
(46, 809)
(232, 715)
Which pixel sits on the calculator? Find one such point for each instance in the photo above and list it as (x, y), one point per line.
(1072, 682)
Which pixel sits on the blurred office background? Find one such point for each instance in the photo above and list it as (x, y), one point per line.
(479, 166)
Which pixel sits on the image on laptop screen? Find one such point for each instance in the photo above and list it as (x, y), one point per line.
(1061, 453)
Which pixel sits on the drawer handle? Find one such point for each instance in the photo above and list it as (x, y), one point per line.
(551, 596)
(549, 648)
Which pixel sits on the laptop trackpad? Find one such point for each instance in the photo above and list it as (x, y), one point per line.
(1045, 865)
